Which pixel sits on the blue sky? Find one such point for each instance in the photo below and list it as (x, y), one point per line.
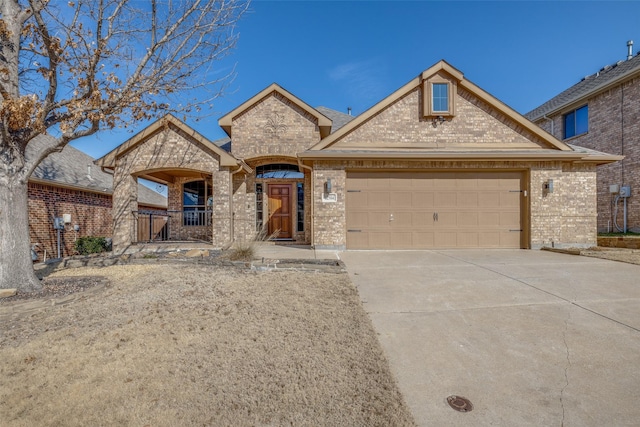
(340, 54)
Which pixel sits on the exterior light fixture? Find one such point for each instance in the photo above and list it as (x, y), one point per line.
(548, 186)
(327, 186)
(438, 120)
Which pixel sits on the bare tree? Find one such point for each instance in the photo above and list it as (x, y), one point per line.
(70, 69)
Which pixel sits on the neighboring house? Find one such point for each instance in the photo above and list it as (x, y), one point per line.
(68, 185)
(602, 112)
(439, 163)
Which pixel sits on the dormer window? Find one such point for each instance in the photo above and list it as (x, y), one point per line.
(439, 96)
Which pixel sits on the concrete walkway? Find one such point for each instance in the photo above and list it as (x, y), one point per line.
(531, 338)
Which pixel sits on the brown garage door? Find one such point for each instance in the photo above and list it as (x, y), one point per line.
(401, 210)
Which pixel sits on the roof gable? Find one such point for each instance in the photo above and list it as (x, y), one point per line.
(74, 169)
(506, 115)
(109, 159)
(324, 123)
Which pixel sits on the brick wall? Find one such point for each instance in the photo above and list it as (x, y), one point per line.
(330, 217)
(91, 211)
(614, 128)
(476, 125)
(274, 126)
(568, 216)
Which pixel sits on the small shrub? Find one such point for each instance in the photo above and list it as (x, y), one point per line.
(91, 245)
(245, 250)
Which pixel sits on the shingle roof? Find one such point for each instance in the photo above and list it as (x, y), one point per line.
(72, 167)
(338, 119)
(224, 143)
(606, 76)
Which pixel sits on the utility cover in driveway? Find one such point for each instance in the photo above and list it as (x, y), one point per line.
(423, 210)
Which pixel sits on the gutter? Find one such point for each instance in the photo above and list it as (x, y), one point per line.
(417, 156)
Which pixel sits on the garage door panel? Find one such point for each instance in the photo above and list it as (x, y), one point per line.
(467, 219)
(358, 200)
(401, 220)
(445, 239)
(510, 219)
(423, 239)
(489, 219)
(358, 220)
(510, 199)
(378, 199)
(466, 183)
(422, 219)
(380, 239)
(422, 199)
(446, 219)
(358, 240)
(510, 240)
(401, 182)
(467, 239)
(467, 199)
(489, 199)
(401, 199)
(401, 240)
(489, 239)
(447, 199)
(397, 210)
(379, 219)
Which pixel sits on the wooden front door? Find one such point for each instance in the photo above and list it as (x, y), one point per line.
(280, 210)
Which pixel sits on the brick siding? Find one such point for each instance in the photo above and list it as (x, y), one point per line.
(91, 211)
(614, 128)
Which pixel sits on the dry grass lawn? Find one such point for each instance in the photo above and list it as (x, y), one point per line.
(183, 345)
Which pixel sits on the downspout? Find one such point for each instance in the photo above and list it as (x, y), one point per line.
(312, 193)
(544, 116)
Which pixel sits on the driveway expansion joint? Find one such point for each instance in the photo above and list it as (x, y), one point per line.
(542, 290)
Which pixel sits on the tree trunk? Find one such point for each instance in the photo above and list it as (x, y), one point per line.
(16, 266)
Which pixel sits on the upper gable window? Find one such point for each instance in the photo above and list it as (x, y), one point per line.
(576, 122)
(440, 97)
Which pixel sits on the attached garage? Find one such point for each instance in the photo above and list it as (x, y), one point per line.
(422, 210)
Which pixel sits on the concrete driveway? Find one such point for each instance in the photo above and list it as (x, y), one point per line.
(531, 338)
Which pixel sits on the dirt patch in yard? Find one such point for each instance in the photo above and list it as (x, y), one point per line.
(631, 256)
(196, 345)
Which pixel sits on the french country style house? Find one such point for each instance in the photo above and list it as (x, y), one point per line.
(439, 163)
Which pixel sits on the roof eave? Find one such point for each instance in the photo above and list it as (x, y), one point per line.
(486, 156)
(361, 118)
(514, 115)
(108, 161)
(593, 92)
